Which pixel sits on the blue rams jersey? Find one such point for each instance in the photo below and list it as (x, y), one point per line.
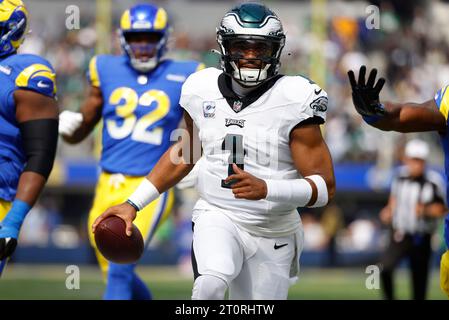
(18, 71)
(140, 111)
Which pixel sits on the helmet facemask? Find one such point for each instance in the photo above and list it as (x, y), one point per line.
(250, 59)
(145, 49)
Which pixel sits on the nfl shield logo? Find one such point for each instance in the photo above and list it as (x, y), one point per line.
(209, 109)
(237, 106)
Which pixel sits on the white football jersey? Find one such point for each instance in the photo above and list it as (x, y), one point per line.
(253, 133)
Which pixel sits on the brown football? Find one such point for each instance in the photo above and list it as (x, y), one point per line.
(115, 245)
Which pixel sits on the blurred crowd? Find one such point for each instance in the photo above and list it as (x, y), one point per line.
(410, 49)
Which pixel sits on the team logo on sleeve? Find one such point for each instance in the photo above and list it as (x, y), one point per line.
(209, 109)
(319, 104)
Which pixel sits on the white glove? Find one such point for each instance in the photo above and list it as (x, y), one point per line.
(69, 121)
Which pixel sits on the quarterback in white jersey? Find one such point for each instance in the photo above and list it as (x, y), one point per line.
(253, 132)
(263, 156)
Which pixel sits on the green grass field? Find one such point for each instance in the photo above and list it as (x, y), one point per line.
(49, 282)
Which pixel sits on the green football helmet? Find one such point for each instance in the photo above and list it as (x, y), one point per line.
(250, 27)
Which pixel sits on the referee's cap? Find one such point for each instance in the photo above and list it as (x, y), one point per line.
(417, 149)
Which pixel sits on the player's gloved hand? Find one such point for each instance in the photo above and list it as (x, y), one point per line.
(10, 228)
(69, 122)
(124, 211)
(247, 186)
(365, 95)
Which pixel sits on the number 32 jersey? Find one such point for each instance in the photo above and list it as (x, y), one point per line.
(140, 111)
(253, 132)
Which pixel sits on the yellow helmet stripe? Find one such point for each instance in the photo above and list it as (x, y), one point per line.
(93, 71)
(161, 19)
(34, 71)
(125, 22)
(7, 8)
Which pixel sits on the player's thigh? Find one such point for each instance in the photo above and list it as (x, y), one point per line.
(153, 215)
(4, 208)
(216, 248)
(269, 272)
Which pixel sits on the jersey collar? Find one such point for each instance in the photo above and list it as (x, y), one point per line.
(236, 103)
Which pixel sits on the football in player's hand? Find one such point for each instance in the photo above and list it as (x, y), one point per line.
(115, 245)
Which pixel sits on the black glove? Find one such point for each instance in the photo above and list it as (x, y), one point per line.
(366, 96)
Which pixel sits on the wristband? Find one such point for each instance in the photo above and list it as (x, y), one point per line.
(145, 193)
(16, 215)
(296, 191)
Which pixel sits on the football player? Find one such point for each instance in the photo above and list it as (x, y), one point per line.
(263, 156)
(28, 125)
(431, 115)
(137, 97)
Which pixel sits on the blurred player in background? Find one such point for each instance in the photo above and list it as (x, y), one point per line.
(247, 232)
(417, 201)
(137, 96)
(28, 125)
(431, 115)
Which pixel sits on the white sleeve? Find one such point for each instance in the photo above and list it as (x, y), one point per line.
(186, 99)
(311, 105)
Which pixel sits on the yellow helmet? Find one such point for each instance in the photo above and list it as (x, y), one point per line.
(13, 25)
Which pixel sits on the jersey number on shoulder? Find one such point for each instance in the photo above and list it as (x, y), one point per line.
(127, 100)
(233, 143)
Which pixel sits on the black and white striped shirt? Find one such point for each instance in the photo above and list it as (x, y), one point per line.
(409, 192)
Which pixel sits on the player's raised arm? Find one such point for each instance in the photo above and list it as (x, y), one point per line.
(37, 116)
(406, 117)
(169, 170)
(76, 126)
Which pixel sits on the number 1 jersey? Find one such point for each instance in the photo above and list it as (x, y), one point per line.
(140, 111)
(253, 132)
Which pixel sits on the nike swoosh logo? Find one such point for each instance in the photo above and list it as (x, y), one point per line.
(41, 84)
(276, 246)
(317, 92)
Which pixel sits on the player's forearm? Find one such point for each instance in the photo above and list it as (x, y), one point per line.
(165, 174)
(169, 170)
(30, 187)
(410, 117)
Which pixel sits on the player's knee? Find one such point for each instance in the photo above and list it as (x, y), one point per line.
(208, 287)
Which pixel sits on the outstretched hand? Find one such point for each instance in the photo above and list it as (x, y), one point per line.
(365, 95)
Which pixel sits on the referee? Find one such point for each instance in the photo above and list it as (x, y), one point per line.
(415, 204)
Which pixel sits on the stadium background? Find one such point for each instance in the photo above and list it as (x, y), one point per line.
(324, 40)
